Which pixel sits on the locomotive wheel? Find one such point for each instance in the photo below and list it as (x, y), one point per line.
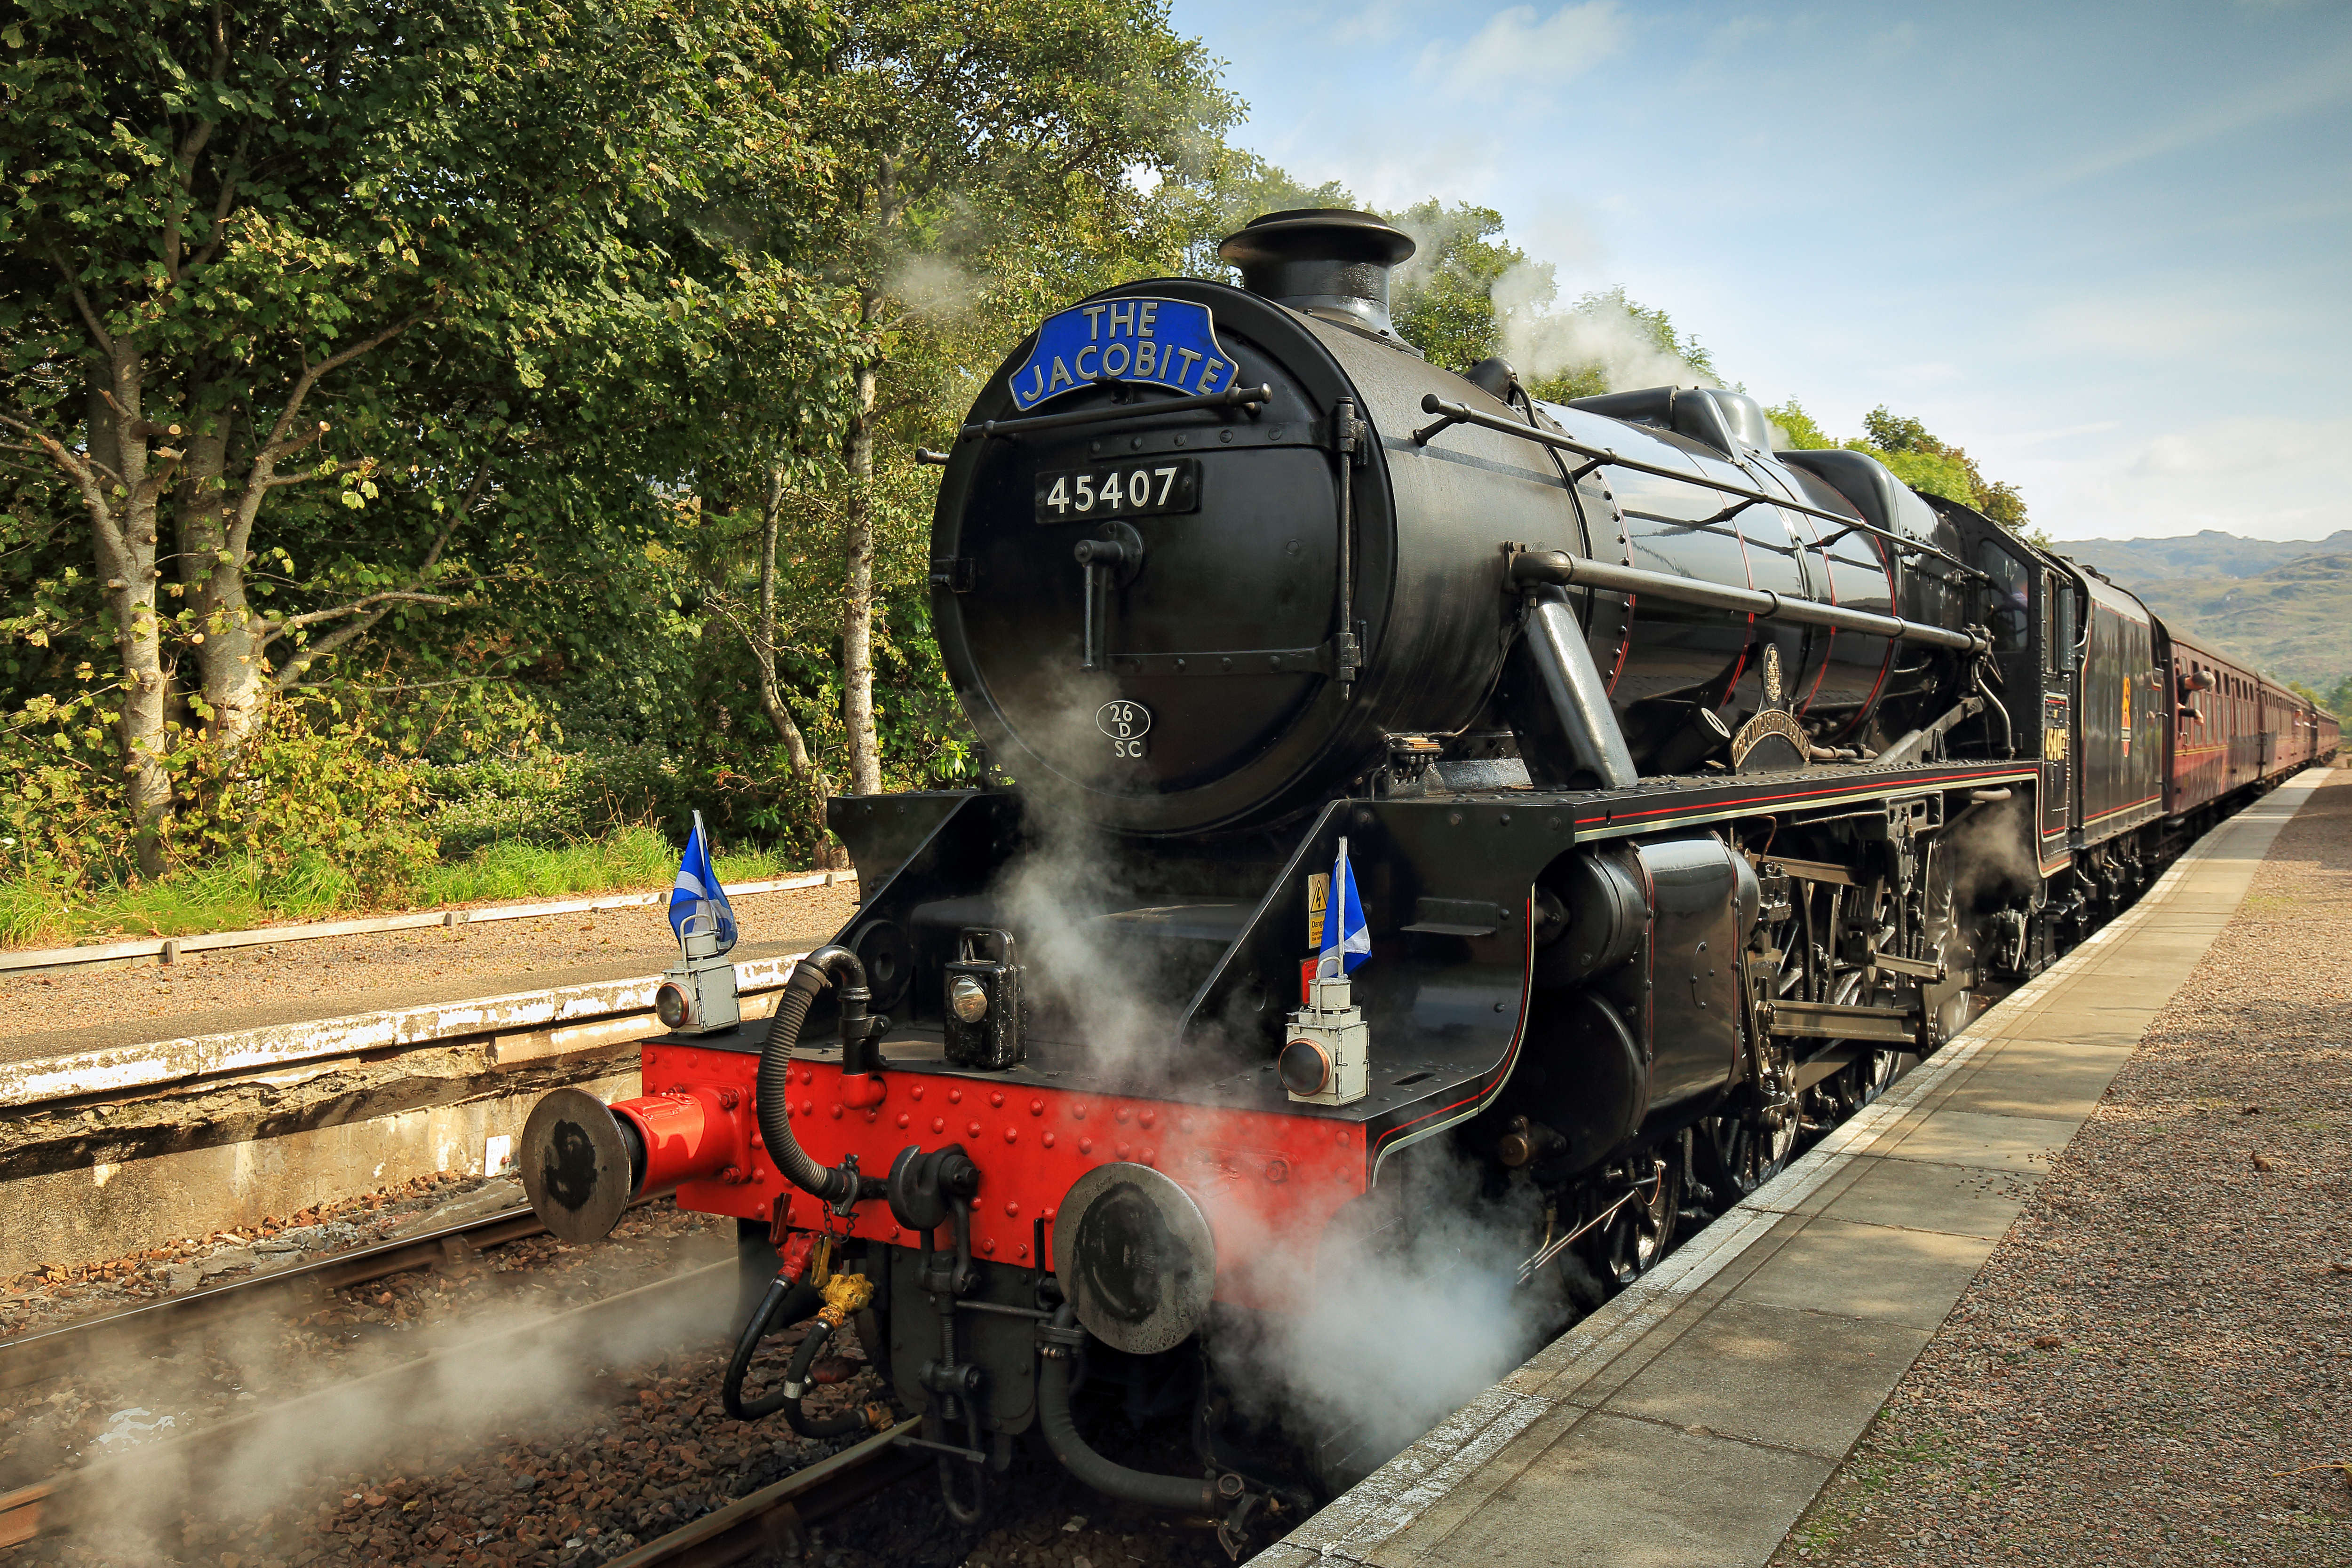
(1738, 1151)
(1734, 1158)
(1639, 1234)
(1871, 1073)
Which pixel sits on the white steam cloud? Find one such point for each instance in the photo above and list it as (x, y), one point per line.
(499, 1370)
(935, 287)
(1411, 1314)
(1597, 332)
(1094, 974)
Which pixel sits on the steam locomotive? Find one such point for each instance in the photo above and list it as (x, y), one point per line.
(1405, 796)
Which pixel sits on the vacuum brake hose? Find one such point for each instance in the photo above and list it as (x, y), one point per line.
(809, 975)
(1114, 1479)
(786, 1304)
(788, 1301)
(796, 1383)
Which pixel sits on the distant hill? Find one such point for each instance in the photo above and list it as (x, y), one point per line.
(2282, 606)
(2211, 553)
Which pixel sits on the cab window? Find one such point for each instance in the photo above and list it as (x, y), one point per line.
(2009, 595)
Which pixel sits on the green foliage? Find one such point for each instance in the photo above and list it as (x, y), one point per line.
(1917, 457)
(517, 332)
(1230, 188)
(632, 857)
(1797, 431)
(1937, 468)
(627, 860)
(1442, 299)
(1930, 473)
(315, 815)
(406, 340)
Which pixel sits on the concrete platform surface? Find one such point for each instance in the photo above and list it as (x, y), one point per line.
(1692, 1420)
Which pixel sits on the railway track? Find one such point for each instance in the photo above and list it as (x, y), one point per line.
(207, 1461)
(773, 1519)
(54, 1352)
(776, 1518)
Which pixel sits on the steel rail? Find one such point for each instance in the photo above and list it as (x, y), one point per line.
(773, 1519)
(54, 1351)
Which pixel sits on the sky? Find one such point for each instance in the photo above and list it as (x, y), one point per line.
(2107, 248)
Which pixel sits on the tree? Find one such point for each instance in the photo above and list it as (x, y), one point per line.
(252, 250)
(958, 126)
(1794, 430)
(1443, 299)
(1917, 457)
(1229, 186)
(1925, 463)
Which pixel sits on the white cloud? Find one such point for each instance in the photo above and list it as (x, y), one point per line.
(1514, 50)
(2036, 437)
(2262, 478)
(2242, 446)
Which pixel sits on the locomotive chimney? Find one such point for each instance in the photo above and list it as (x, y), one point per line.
(1324, 260)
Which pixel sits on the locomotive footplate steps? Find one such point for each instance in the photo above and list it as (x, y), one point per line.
(1695, 1417)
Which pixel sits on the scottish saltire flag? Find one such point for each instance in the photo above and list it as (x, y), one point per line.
(1346, 940)
(697, 901)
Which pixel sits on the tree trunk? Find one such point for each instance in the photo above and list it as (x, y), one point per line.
(763, 645)
(233, 676)
(120, 489)
(763, 658)
(857, 603)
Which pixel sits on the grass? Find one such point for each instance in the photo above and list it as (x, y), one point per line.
(229, 895)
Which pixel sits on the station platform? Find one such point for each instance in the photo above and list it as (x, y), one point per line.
(142, 1102)
(1693, 1420)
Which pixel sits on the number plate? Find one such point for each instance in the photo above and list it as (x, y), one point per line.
(1137, 490)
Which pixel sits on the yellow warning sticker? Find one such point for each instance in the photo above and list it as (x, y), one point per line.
(1318, 897)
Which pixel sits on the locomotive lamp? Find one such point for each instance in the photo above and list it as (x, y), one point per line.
(985, 1016)
(697, 995)
(1326, 1055)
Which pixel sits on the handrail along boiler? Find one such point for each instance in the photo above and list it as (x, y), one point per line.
(1684, 785)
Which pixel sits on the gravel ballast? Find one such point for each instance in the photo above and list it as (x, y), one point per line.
(600, 1460)
(2154, 1365)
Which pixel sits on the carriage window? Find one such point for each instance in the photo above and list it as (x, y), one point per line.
(2009, 594)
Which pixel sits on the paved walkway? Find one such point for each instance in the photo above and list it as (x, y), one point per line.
(1691, 1421)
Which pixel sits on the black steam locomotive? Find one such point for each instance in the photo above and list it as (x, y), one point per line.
(1407, 796)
